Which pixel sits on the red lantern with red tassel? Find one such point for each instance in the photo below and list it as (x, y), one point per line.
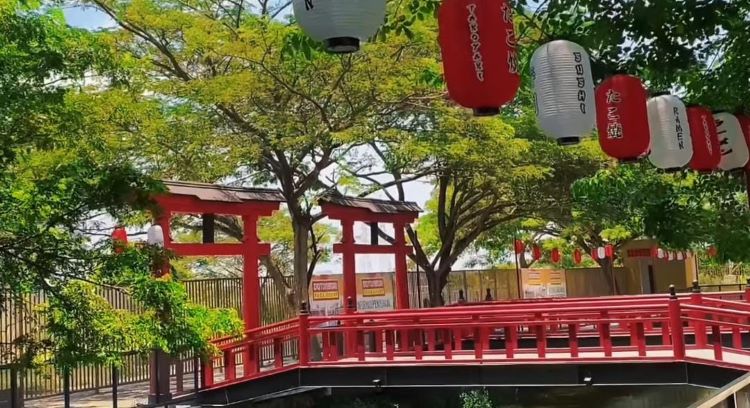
(609, 251)
(705, 137)
(555, 255)
(519, 247)
(119, 239)
(480, 61)
(577, 256)
(536, 252)
(622, 118)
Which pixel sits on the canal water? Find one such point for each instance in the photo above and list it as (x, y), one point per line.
(509, 397)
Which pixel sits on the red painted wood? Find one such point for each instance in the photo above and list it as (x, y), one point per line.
(511, 342)
(336, 212)
(389, 346)
(573, 339)
(230, 370)
(342, 248)
(716, 341)
(402, 278)
(604, 334)
(478, 343)
(676, 329)
(208, 372)
(447, 345)
(418, 351)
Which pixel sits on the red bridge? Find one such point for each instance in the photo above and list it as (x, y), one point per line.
(657, 339)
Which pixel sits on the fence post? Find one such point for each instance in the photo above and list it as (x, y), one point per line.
(304, 335)
(66, 387)
(675, 321)
(14, 394)
(699, 328)
(115, 380)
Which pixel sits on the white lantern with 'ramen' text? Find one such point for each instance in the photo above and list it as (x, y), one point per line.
(671, 146)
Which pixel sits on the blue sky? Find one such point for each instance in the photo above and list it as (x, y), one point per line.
(87, 18)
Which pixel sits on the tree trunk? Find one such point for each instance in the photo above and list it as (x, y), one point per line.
(608, 268)
(300, 259)
(434, 288)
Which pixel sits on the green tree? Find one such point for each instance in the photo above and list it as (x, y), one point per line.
(57, 191)
(213, 91)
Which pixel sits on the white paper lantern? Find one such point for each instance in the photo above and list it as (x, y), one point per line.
(601, 253)
(155, 236)
(564, 88)
(680, 255)
(671, 146)
(340, 24)
(734, 151)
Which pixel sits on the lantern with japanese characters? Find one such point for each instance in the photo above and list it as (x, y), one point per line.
(622, 118)
(478, 46)
(340, 24)
(705, 137)
(671, 147)
(734, 151)
(564, 91)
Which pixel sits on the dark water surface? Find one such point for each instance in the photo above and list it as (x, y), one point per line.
(678, 396)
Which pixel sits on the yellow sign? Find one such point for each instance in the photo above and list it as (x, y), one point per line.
(373, 287)
(542, 283)
(325, 290)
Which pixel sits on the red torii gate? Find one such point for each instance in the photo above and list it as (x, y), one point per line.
(348, 210)
(208, 200)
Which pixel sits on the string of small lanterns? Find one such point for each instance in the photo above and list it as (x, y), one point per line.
(481, 69)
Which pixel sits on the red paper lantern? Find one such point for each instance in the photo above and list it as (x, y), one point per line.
(520, 247)
(712, 251)
(622, 117)
(609, 251)
(480, 60)
(577, 256)
(745, 124)
(555, 255)
(705, 137)
(119, 239)
(536, 252)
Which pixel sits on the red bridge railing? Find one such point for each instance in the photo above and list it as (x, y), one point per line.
(701, 328)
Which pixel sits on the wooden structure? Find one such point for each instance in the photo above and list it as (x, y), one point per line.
(209, 200)
(349, 210)
(536, 342)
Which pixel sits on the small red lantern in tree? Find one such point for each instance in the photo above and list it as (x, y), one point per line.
(480, 61)
(622, 118)
(555, 255)
(536, 252)
(609, 251)
(519, 246)
(577, 256)
(119, 239)
(712, 251)
(705, 137)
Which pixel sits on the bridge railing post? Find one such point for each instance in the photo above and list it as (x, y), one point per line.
(747, 291)
(675, 323)
(304, 335)
(699, 328)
